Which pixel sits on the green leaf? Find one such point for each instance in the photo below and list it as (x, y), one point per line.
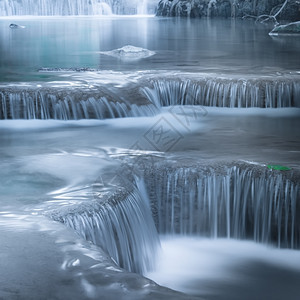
(278, 167)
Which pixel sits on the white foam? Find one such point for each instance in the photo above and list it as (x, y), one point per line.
(255, 111)
(186, 260)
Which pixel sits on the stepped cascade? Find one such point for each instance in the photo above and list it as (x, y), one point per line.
(145, 157)
(100, 103)
(239, 201)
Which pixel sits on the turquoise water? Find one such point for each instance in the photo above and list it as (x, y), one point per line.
(227, 46)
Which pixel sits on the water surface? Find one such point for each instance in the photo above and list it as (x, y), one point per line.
(233, 46)
(50, 164)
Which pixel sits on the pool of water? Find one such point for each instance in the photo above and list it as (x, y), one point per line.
(232, 46)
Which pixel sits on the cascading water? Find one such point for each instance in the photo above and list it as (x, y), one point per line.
(236, 202)
(225, 93)
(66, 106)
(122, 226)
(142, 8)
(240, 201)
(99, 103)
(76, 7)
(54, 8)
(192, 189)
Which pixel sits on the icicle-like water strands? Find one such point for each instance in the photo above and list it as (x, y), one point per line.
(68, 106)
(265, 93)
(122, 226)
(72, 7)
(138, 99)
(237, 202)
(142, 8)
(55, 8)
(240, 202)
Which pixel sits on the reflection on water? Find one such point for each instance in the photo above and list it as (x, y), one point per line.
(215, 45)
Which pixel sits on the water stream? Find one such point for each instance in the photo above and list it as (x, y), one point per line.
(77, 7)
(140, 146)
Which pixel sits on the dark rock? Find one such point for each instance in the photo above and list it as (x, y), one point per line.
(15, 26)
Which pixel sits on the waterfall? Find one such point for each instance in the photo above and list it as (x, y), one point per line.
(236, 202)
(74, 7)
(144, 98)
(38, 104)
(142, 8)
(102, 8)
(122, 226)
(54, 7)
(239, 201)
(265, 93)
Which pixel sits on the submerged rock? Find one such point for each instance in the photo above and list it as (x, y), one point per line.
(291, 28)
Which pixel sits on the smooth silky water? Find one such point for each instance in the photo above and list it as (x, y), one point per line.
(96, 168)
(220, 46)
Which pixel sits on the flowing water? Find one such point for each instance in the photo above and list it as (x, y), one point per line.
(140, 146)
(76, 7)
